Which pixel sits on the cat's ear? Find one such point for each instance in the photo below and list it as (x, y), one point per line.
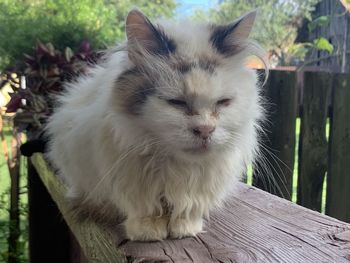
(230, 39)
(142, 33)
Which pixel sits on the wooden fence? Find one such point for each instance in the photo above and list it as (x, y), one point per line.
(317, 98)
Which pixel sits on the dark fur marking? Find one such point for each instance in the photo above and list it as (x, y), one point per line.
(184, 67)
(219, 36)
(205, 64)
(208, 65)
(104, 214)
(133, 89)
(165, 45)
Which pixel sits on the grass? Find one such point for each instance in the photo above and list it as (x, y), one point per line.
(4, 197)
(4, 174)
(4, 203)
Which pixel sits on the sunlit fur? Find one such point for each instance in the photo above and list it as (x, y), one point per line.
(146, 162)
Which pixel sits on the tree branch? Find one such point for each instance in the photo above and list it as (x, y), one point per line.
(320, 59)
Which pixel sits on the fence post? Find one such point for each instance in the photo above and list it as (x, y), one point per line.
(49, 239)
(338, 179)
(313, 146)
(278, 147)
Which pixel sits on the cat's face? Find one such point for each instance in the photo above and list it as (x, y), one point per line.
(189, 88)
(202, 112)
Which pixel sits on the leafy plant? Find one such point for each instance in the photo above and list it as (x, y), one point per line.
(323, 44)
(300, 50)
(66, 23)
(45, 70)
(276, 25)
(318, 22)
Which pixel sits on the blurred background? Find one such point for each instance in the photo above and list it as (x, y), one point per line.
(46, 42)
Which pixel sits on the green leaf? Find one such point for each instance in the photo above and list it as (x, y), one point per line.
(318, 22)
(323, 44)
(299, 50)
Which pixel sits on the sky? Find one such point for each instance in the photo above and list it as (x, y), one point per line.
(186, 6)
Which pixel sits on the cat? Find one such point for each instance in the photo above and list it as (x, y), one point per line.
(163, 129)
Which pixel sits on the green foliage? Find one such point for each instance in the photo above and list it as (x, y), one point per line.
(5, 224)
(323, 44)
(67, 23)
(318, 22)
(299, 50)
(22, 256)
(4, 227)
(276, 25)
(320, 44)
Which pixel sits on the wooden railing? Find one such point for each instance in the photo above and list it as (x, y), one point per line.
(317, 98)
(253, 226)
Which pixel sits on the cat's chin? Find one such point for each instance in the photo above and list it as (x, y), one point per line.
(198, 149)
(195, 154)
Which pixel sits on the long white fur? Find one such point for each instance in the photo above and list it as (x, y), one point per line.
(106, 156)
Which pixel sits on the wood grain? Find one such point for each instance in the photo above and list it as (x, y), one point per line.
(253, 226)
(274, 170)
(313, 145)
(338, 194)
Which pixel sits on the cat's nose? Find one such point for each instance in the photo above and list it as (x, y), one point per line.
(203, 131)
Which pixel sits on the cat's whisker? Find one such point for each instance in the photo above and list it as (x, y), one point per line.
(267, 148)
(263, 171)
(266, 172)
(279, 173)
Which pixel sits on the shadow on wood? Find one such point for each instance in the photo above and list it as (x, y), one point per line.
(48, 233)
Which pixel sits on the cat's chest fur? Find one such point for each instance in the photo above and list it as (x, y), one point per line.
(149, 175)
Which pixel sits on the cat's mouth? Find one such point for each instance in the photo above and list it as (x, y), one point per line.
(203, 147)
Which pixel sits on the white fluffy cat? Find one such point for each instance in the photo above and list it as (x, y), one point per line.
(164, 128)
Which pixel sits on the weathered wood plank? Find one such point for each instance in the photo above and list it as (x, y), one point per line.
(274, 171)
(253, 226)
(338, 194)
(313, 145)
(251, 230)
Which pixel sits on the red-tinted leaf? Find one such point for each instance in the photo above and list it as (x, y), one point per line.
(29, 59)
(41, 49)
(45, 70)
(85, 47)
(14, 104)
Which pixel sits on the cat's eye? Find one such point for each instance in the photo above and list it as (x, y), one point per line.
(177, 102)
(224, 102)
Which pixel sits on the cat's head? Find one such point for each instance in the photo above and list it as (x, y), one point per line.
(188, 86)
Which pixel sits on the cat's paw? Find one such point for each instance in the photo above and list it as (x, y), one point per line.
(180, 227)
(147, 228)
